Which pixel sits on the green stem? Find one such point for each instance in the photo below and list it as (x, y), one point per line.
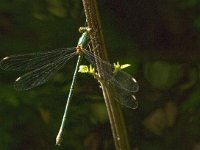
(114, 112)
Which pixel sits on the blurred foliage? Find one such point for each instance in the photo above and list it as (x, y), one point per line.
(160, 39)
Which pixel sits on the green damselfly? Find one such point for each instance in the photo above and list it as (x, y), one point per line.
(43, 65)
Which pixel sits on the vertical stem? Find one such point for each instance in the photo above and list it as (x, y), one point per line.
(114, 112)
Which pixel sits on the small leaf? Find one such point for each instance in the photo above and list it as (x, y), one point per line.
(125, 66)
(91, 70)
(116, 66)
(83, 69)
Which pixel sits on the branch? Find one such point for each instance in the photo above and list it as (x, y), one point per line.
(114, 112)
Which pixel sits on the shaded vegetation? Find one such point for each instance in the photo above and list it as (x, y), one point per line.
(159, 38)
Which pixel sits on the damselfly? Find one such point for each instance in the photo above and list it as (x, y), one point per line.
(43, 65)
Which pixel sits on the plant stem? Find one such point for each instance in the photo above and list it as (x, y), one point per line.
(114, 112)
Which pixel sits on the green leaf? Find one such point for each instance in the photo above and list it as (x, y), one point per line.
(83, 69)
(86, 69)
(125, 66)
(118, 67)
(91, 70)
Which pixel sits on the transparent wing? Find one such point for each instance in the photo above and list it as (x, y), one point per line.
(122, 79)
(123, 83)
(125, 98)
(40, 75)
(31, 61)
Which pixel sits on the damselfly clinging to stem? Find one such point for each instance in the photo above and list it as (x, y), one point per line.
(43, 65)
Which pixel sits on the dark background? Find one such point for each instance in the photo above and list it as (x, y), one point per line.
(159, 38)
